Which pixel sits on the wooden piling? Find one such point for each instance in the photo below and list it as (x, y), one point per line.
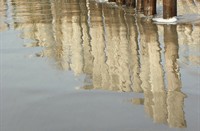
(134, 3)
(169, 8)
(131, 3)
(140, 5)
(123, 2)
(149, 7)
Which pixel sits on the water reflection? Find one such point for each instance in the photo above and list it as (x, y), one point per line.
(116, 49)
(3, 15)
(175, 97)
(163, 104)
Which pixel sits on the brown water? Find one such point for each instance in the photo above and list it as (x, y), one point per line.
(79, 65)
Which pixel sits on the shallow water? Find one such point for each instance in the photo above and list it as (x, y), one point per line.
(79, 65)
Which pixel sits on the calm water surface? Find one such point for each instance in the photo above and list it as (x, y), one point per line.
(80, 65)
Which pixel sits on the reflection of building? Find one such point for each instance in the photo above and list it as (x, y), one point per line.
(3, 25)
(116, 51)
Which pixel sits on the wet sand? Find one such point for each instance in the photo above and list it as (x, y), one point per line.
(88, 66)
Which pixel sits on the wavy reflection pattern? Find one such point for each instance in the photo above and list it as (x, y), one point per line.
(3, 16)
(116, 49)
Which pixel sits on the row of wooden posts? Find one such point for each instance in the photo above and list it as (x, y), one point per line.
(148, 7)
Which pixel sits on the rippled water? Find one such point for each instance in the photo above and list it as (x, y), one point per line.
(81, 65)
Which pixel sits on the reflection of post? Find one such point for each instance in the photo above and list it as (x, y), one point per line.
(76, 47)
(86, 43)
(124, 74)
(61, 35)
(145, 70)
(189, 36)
(133, 54)
(112, 33)
(85, 25)
(156, 74)
(175, 98)
(100, 73)
(195, 47)
(105, 73)
(66, 33)
(67, 30)
(3, 25)
(32, 27)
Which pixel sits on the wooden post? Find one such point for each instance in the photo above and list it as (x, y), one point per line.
(149, 7)
(123, 2)
(169, 8)
(134, 3)
(131, 3)
(140, 5)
